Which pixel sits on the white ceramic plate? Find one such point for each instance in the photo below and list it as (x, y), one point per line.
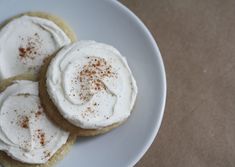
(110, 22)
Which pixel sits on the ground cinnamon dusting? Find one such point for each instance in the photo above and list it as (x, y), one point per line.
(41, 137)
(91, 76)
(39, 112)
(30, 48)
(24, 122)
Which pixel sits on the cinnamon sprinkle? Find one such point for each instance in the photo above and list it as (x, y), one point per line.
(42, 139)
(91, 76)
(38, 113)
(41, 136)
(24, 122)
(29, 48)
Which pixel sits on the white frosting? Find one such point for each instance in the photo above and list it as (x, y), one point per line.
(26, 134)
(91, 85)
(25, 42)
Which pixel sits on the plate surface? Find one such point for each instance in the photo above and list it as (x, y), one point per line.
(110, 22)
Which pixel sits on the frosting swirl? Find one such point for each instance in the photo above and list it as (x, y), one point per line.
(91, 85)
(26, 134)
(25, 42)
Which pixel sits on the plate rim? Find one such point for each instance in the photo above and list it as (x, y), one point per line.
(163, 78)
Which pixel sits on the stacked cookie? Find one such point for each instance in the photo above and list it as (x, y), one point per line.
(54, 88)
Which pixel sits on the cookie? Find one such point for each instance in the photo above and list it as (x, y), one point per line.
(35, 36)
(78, 88)
(6, 160)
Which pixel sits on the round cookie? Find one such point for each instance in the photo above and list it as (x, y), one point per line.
(7, 161)
(87, 88)
(54, 114)
(55, 19)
